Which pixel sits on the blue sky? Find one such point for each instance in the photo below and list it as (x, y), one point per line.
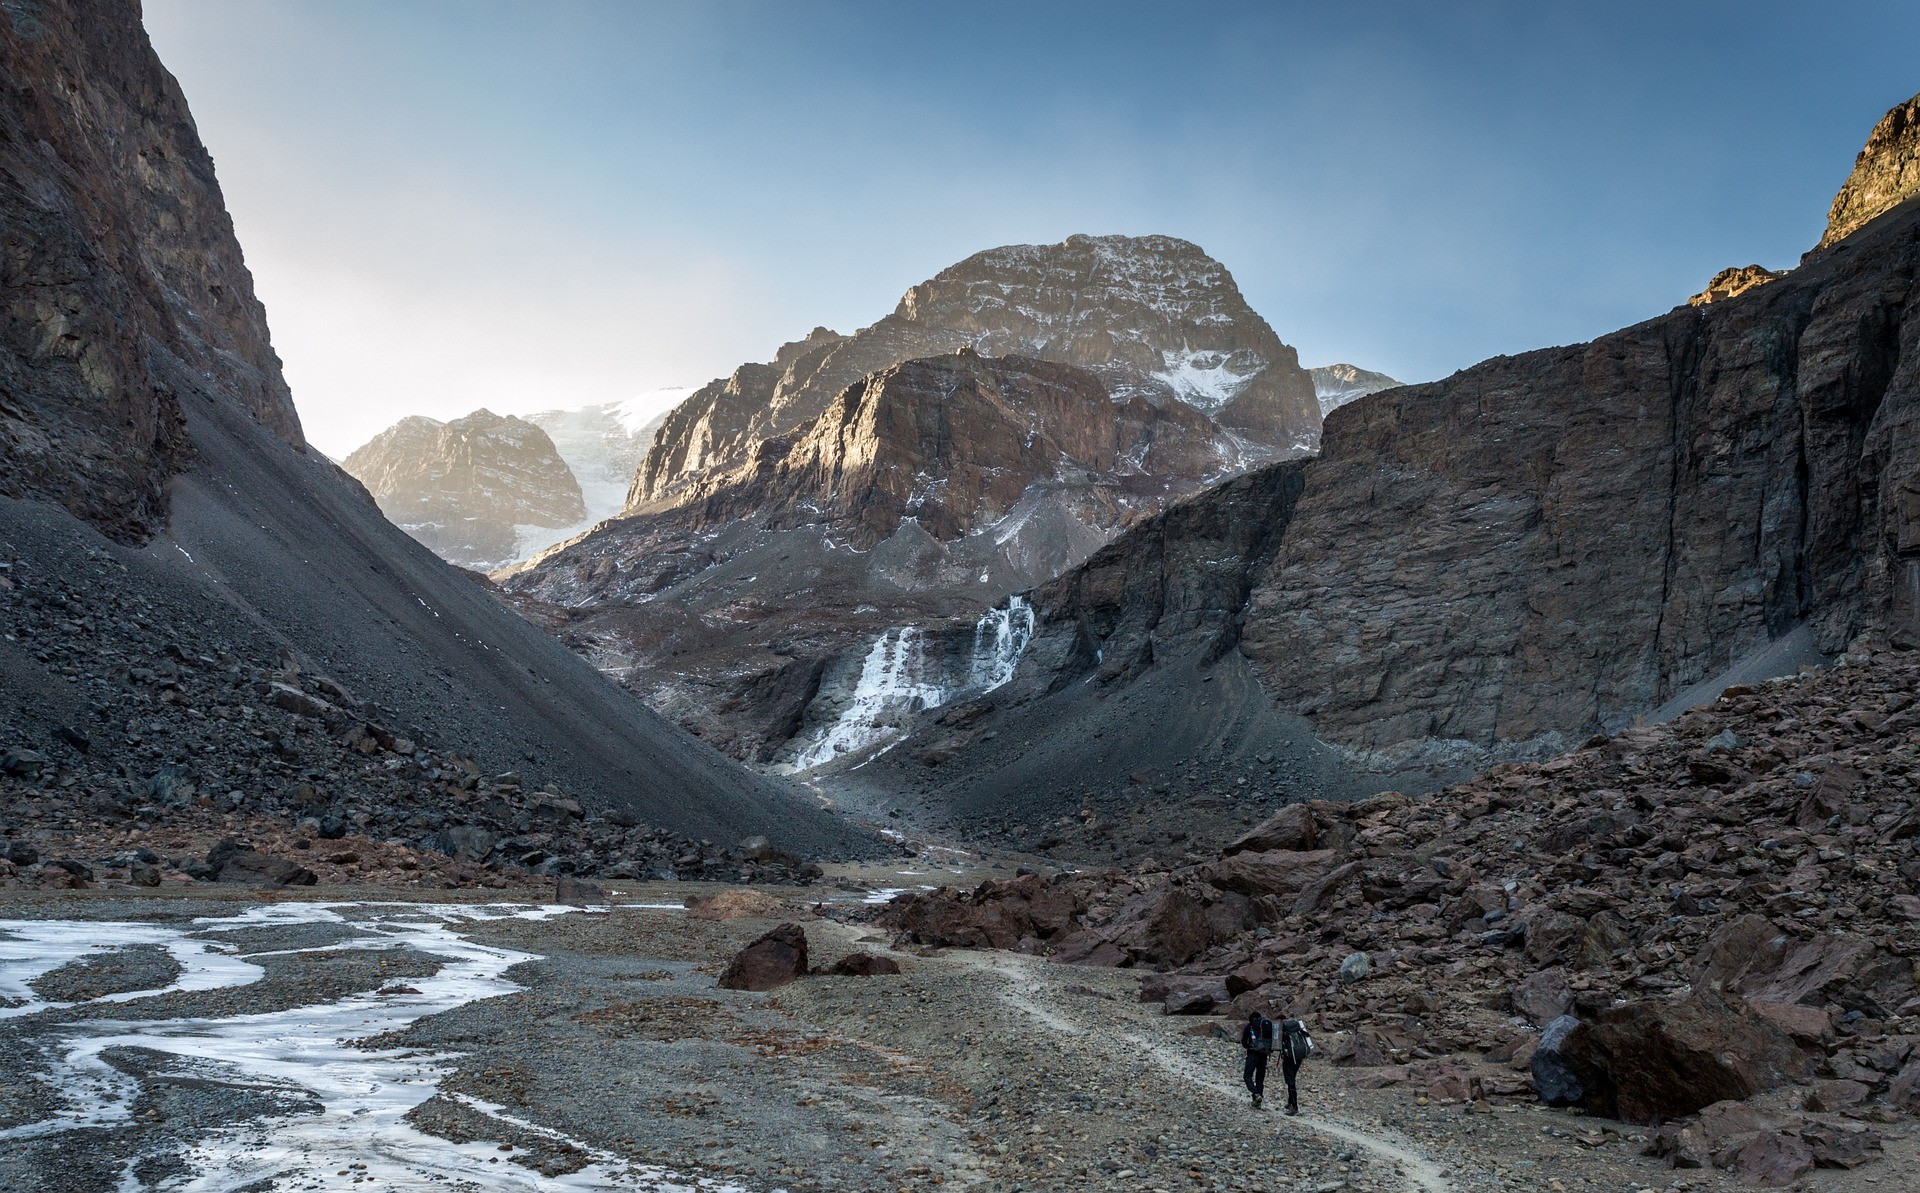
(452, 203)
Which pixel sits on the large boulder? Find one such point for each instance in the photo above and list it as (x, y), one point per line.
(1185, 994)
(1651, 1061)
(1271, 872)
(1291, 828)
(862, 965)
(1544, 996)
(232, 861)
(770, 962)
(1163, 928)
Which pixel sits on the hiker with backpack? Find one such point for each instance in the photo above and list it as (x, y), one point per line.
(1261, 1038)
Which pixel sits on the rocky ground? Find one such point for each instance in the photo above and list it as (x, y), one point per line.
(966, 1070)
(1749, 870)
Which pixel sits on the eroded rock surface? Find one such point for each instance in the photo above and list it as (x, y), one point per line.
(1885, 174)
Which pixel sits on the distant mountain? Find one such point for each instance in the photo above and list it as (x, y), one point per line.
(604, 444)
(1336, 385)
(473, 489)
(1151, 316)
(1010, 416)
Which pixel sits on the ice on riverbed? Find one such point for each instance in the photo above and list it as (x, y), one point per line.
(308, 1055)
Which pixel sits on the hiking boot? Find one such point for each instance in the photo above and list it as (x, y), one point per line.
(1256, 1101)
(1293, 1110)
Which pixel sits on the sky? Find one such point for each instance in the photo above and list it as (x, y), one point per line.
(449, 204)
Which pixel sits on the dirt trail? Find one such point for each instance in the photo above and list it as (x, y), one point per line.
(1026, 990)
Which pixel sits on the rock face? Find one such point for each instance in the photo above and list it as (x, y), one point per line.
(141, 398)
(1549, 544)
(1151, 316)
(125, 289)
(1732, 282)
(465, 488)
(1885, 175)
(1336, 385)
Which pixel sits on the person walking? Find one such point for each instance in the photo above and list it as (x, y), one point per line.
(1295, 1046)
(1258, 1037)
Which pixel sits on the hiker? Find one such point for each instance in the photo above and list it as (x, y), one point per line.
(1295, 1046)
(1258, 1037)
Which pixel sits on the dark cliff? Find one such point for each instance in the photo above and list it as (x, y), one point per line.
(123, 284)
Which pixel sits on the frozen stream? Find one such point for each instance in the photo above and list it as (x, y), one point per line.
(344, 1119)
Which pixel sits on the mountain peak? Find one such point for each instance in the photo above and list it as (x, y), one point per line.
(1885, 174)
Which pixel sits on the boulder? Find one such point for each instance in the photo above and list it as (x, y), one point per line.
(862, 965)
(1544, 996)
(1657, 1060)
(1563, 1070)
(1274, 871)
(1291, 828)
(1904, 1090)
(1185, 994)
(1750, 956)
(577, 892)
(734, 904)
(1773, 1159)
(772, 961)
(1355, 968)
(1164, 929)
(232, 861)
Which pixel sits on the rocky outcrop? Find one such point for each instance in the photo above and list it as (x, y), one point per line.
(1885, 174)
(465, 488)
(954, 443)
(1151, 316)
(1336, 385)
(1734, 281)
(124, 286)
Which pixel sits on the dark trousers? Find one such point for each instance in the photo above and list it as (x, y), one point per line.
(1256, 1073)
(1289, 1068)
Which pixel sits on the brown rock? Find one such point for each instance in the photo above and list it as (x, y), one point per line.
(577, 892)
(775, 959)
(1664, 1060)
(1185, 994)
(1773, 1160)
(1904, 1090)
(1808, 1025)
(1270, 872)
(1885, 174)
(1544, 996)
(1733, 282)
(863, 965)
(1291, 828)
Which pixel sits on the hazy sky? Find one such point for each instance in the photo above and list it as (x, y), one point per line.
(455, 204)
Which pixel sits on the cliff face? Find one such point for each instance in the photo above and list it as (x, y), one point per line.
(466, 488)
(1885, 174)
(1150, 316)
(1552, 543)
(954, 443)
(123, 285)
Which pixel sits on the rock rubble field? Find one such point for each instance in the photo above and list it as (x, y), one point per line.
(1706, 930)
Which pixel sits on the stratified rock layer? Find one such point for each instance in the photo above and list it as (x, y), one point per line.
(465, 488)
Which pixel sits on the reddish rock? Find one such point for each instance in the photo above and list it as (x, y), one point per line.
(1185, 994)
(863, 965)
(1904, 1090)
(1274, 871)
(578, 892)
(1807, 1025)
(1291, 828)
(1663, 1060)
(770, 962)
(1772, 1159)
(1543, 997)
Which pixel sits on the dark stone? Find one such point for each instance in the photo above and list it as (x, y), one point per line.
(770, 962)
(863, 965)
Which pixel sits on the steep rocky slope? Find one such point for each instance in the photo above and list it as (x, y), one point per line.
(1336, 385)
(140, 388)
(1150, 316)
(467, 488)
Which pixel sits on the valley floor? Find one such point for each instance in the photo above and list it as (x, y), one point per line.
(617, 1063)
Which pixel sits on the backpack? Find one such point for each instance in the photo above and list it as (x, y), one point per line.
(1261, 1038)
(1296, 1045)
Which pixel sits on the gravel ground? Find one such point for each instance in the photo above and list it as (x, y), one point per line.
(975, 1070)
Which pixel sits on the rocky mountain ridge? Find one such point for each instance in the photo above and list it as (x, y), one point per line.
(465, 489)
(1336, 385)
(1885, 174)
(1150, 316)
